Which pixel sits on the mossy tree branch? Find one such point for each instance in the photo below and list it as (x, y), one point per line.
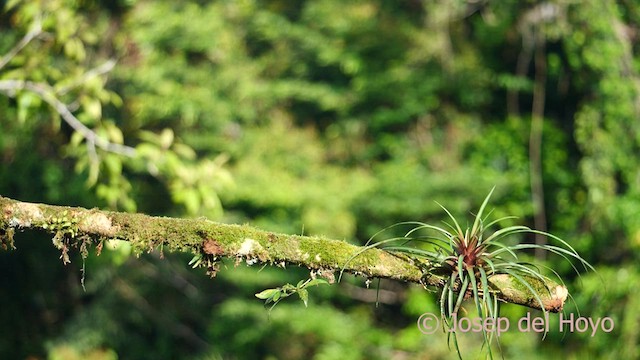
(73, 226)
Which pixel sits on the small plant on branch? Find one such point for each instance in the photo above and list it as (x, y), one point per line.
(467, 259)
(273, 296)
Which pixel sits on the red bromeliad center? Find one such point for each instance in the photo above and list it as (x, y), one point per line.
(470, 251)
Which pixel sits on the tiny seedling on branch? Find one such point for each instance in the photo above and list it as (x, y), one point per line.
(274, 296)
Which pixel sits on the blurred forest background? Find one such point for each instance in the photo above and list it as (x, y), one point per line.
(334, 118)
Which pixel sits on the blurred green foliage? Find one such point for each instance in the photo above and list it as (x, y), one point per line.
(315, 117)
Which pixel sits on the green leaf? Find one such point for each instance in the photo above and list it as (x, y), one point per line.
(149, 136)
(26, 101)
(317, 281)
(74, 48)
(184, 151)
(94, 172)
(114, 133)
(267, 294)
(304, 295)
(113, 164)
(476, 224)
(148, 150)
(196, 260)
(11, 4)
(92, 107)
(166, 138)
(190, 199)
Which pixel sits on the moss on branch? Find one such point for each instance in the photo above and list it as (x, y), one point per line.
(73, 226)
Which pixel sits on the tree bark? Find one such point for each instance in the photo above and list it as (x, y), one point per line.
(81, 228)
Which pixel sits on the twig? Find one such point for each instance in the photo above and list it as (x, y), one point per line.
(100, 70)
(45, 92)
(37, 30)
